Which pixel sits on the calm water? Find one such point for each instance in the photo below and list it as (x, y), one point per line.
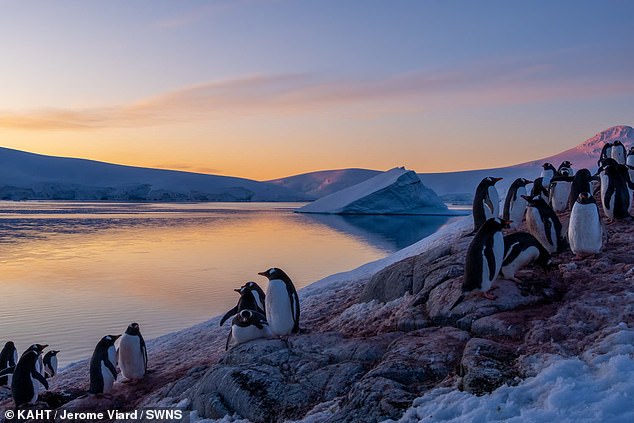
(73, 272)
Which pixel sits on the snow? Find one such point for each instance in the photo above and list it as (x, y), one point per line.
(397, 191)
(597, 386)
(319, 184)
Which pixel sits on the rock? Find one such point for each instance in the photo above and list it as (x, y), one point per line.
(390, 283)
(486, 365)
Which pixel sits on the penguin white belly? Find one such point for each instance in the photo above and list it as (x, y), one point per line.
(523, 259)
(517, 210)
(131, 358)
(619, 155)
(498, 256)
(495, 202)
(108, 379)
(279, 312)
(559, 195)
(585, 234)
(36, 390)
(241, 334)
(537, 229)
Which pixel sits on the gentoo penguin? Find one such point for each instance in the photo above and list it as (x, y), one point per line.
(629, 161)
(581, 182)
(548, 173)
(132, 353)
(539, 189)
(282, 303)
(606, 153)
(585, 232)
(27, 377)
(8, 359)
(565, 169)
(486, 202)
(514, 204)
(559, 192)
(50, 363)
(246, 326)
(484, 260)
(252, 297)
(522, 249)
(543, 224)
(103, 364)
(618, 152)
(615, 189)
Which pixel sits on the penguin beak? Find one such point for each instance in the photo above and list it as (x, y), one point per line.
(497, 179)
(238, 289)
(115, 337)
(262, 273)
(44, 346)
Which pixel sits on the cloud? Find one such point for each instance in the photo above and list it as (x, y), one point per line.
(503, 82)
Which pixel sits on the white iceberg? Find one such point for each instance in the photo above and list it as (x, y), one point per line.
(397, 191)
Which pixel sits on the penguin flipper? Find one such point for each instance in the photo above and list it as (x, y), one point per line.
(295, 309)
(144, 351)
(228, 314)
(228, 339)
(9, 370)
(110, 367)
(38, 376)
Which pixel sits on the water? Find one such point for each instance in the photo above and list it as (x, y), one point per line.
(73, 272)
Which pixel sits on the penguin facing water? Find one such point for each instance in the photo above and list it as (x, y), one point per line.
(252, 297)
(247, 326)
(8, 359)
(484, 260)
(132, 353)
(514, 204)
(27, 376)
(520, 250)
(582, 182)
(615, 189)
(543, 224)
(103, 371)
(618, 152)
(50, 363)
(486, 202)
(282, 303)
(585, 231)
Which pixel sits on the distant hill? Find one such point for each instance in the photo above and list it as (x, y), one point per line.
(25, 176)
(319, 184)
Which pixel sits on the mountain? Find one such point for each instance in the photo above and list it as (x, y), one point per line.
(26, 176)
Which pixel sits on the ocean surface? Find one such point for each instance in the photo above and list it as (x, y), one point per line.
(73, 272)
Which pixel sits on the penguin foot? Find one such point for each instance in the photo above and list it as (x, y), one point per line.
(488, 295)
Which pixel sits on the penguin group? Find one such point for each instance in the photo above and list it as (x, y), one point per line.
(264, 315)
(500, 248)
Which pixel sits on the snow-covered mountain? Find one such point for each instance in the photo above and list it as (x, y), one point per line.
(33, 176)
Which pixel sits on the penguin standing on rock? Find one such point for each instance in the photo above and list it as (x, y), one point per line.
(582, 182)
(615, 189)
(282, 303)
(247, 326)
(585, 231)
(252, 297)
(103, 371)
(484, 260)
(618, 152)
(50, 363)
(543, 224)
(520, 250)
(486, 202)
(132, 353)
(27, 377)
(8, 359)
(514, 204)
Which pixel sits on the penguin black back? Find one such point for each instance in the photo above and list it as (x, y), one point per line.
(482, 245)
(538, 188)
(102, 355)
(484, 202)
(7, 360)
(276, 273)
(26, 374)
(549, 221)
(619, 185)
(512, 195)
(524, 239)
(252, 297)
(50, 363)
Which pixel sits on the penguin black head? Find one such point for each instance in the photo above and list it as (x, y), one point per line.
(52, 352)
(38, 348)
(245, 315)
(496, 224)
(491, 180)
(133, 329)
(617, 142)
(274, 273)
(585, 198)
(525, 181)
(9, 344)
(608, 162)
(631, 151)
(249, 286)
(108, 340)
(535, 201)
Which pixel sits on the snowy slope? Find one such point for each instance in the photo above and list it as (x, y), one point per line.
(33, 176)
(397, 191)
(319, 184)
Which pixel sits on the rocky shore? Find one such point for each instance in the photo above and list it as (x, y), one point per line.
(379, 337)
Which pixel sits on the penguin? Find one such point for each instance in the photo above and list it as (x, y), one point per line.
(484, 260)
(132, 353)
(581, 182)
(548, 173)
(629, 162)
(252, 297)
(8, 359)
(559, 192)
(50, 363)
(543, 224)
(618, 152)
(103, 363)
(486, 202)
(282, 303)
(615, 189)
(514, 204)
(539, 189)
(585, 232)
(565, 169)
(520, 250)
(247, 326)
(27, 377)
(606, 153)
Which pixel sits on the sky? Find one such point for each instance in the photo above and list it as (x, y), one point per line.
(270, 88)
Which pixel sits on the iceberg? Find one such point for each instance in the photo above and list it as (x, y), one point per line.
(397, 191)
